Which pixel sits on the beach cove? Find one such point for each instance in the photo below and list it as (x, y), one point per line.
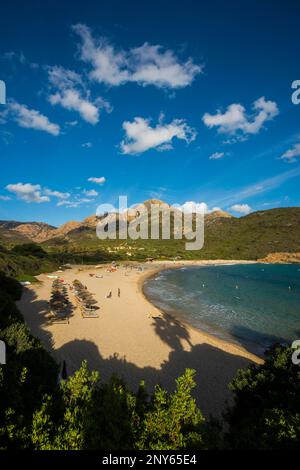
(131, 337)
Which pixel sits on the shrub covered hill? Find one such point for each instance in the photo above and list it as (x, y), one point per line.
(255, 236)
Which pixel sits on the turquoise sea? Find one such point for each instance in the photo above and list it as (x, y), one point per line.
(254, 305)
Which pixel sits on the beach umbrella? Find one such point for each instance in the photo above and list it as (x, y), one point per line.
(91, 302)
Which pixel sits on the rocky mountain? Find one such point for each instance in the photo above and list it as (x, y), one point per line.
(40, 232)
(27, 231)
(253, 236)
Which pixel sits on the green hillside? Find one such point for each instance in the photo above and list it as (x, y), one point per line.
(25, 259)
(251, 237)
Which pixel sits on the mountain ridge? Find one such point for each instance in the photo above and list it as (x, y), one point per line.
(40, 232)
(254, 236)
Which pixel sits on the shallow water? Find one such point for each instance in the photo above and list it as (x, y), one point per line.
(252, 304)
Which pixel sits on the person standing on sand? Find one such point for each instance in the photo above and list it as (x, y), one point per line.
(119, 292)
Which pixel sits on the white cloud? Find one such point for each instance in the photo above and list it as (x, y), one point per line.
(35, 193)
(140, 136)
(11, 55)
(153, 66)
(71, 100)
(31, 119)
(241, 208)
(192, 206)
(90, 192)
(145, 65)
(72, 95)
(199, 207)
(5, 198)
(87, 145)
(28, 192)
(291, 155)
(19, 57)
(165, 147)
(216, 156)
(74, 203)
(57, 194)
(260, 187)
(71, 204)
(96, 180)
(63, 78)
(72, 123)
(235, 119)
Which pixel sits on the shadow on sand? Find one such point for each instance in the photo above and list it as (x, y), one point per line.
(214, 367)
(258, 342)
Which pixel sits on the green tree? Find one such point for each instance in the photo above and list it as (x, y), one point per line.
(173, 421)
(108, 416)
(30, 249)
(29, 374)
(266, 410)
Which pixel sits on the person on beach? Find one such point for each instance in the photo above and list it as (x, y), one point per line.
(119, 292)
(109, 295)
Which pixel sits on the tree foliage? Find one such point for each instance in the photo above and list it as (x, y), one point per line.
(30, 249)
(109, 416)
(266, 412)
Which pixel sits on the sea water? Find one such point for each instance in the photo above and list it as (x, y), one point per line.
(252, 304)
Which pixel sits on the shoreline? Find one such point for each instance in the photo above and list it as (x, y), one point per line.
(132, 338)
(211, 337)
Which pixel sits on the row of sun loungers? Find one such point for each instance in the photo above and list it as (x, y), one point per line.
(59, 304)
(85, 301)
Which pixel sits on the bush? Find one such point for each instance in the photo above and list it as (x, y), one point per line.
(10, 286)
(29, 374)
(108, 416)
(266, 412)
(29, 249)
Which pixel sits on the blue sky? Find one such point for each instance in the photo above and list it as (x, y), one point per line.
(181, 101)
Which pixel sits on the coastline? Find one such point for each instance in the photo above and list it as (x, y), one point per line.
(213, 339)
(132, 338)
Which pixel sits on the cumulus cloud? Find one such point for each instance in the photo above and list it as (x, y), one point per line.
(71, 100)
(199, 207)
(63, 78)
(28, 192)
(72, 95)
(292, 154)
(31, 119)
(57, 194)
(90, 192)
(216, 156)
(235, 118)
(241, 208)
(94, 179)
(140, 136)
(35, 193)
(145, 65)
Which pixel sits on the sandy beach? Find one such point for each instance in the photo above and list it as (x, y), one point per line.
(131, 337)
